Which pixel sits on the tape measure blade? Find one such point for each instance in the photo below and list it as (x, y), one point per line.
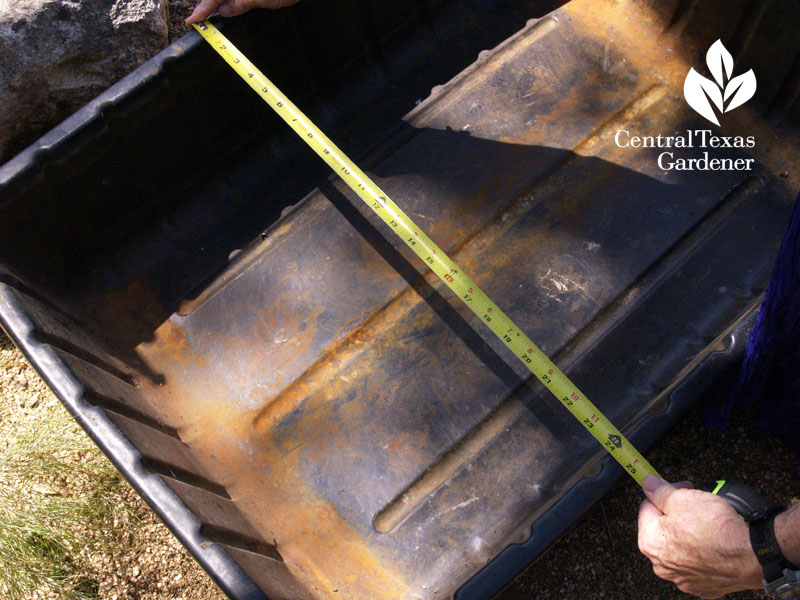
(500, 324)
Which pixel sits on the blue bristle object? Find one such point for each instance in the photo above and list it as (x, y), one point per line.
(769, 380)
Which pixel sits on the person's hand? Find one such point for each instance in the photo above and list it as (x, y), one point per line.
(231, 8)
(696, 540)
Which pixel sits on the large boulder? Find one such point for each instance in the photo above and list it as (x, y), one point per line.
(56, 55)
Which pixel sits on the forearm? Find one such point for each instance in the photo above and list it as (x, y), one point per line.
(787, 532)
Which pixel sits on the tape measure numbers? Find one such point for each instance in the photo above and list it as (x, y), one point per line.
(459, 282)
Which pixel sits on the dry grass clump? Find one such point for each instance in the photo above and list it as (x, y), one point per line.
(56, 488)
(70, 526)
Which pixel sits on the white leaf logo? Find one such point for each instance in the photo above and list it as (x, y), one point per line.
(697, 90)
(720, 62)
(725, 93)
(740, 89)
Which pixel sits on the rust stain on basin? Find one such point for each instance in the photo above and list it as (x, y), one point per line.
(351, 408)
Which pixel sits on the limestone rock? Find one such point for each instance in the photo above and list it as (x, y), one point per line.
(56, 55)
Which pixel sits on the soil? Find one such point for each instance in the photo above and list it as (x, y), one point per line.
(178, 11)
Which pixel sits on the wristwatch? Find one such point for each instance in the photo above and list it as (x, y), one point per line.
(781, 578)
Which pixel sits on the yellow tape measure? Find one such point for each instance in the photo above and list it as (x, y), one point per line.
(433, 256)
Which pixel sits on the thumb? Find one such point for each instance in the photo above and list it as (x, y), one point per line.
(658, 491)
(203, 10)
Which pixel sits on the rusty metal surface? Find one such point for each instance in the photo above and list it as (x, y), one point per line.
(353, 411)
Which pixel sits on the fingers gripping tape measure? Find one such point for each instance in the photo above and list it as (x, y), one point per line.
(433, 256)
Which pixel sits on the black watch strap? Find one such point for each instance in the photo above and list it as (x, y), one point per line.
(765, 545)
